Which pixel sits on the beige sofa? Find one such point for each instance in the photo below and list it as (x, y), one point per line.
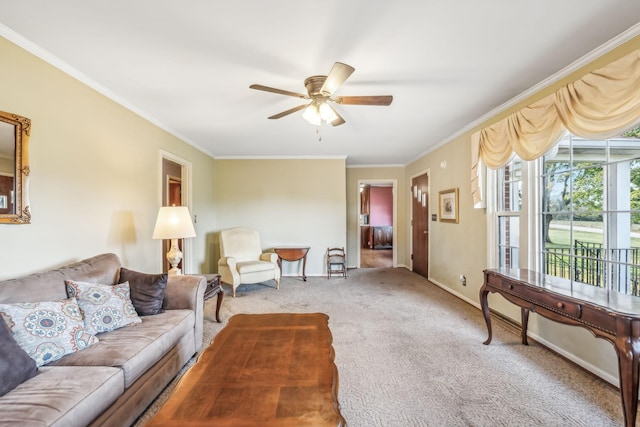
(112, 382)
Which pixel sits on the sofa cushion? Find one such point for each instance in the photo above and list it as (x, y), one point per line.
(147, 290)
(62, 396)
(15, 364)
(137, 347)
(104, 307)
(47, 330)
(98, 269)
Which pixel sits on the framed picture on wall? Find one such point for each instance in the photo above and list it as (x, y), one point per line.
(449, 205)
(3, 202)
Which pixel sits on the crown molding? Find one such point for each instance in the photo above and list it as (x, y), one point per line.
(284, 157)
(61, 65)
(375, 166)
(615, 42)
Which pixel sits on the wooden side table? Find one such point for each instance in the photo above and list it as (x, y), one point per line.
(291, 254)
(214, 287)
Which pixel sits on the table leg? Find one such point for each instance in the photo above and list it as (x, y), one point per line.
(484, 303)
(304, 267)
(628, 350)
(218, 304)
(524, 315)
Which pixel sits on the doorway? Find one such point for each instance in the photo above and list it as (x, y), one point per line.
(175, 190)
(420, 224)
(377, 223)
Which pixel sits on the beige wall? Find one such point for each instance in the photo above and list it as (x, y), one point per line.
(95, 173)
(454, 249)
(289, 201)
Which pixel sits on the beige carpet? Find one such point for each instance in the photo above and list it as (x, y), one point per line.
(410, 354)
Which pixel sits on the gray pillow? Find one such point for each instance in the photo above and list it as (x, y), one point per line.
(147, 290)
(15, 364)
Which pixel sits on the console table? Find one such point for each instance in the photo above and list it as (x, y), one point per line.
(291, 254)
(610, 315)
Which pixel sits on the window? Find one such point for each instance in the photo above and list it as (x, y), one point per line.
(590, 212)
(509, 200)
(584, 201)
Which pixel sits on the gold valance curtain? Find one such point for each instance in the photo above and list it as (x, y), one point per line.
(602, 104)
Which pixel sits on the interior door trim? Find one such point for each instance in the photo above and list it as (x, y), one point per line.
(186, 177)
(380, 181)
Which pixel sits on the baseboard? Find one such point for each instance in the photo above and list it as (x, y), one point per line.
(453, 292)
(513, 324)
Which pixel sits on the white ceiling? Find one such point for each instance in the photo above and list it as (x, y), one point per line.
(187, 65)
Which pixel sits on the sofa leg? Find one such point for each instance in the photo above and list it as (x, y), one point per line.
(277, 283)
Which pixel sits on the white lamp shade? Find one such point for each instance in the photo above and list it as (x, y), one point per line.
(174, 222)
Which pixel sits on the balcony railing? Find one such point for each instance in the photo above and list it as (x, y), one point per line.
(585, 262)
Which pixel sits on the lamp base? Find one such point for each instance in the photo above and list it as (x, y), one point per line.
(174, 256)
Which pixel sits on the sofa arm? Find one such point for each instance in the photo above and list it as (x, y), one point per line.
(187, 292)
(184, 292)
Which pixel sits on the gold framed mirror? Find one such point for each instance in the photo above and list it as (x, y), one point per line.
(14, 169)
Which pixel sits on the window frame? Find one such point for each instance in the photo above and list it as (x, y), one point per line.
(527, 228)
(531, 244)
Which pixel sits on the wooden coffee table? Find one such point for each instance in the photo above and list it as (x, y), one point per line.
(260, 370)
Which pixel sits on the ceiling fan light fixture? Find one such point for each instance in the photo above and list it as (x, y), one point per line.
(312, 115)
(320, 90)
(326, 112)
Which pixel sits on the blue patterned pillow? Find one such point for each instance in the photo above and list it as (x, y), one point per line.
(47, 330)
(104, 307)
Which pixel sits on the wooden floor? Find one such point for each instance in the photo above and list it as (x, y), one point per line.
(376, 258)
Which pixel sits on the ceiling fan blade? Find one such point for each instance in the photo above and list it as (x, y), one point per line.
(278, 91)
(336, 77)
(289, 111)
(339, 121)
(365, 100)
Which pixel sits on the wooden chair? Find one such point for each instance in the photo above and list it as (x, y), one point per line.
(336, 262)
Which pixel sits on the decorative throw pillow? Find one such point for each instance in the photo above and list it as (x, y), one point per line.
(104, 307)
(147, 290)
(15, 364)
(47, 330)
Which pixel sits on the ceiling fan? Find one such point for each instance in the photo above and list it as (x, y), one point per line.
(320, 91)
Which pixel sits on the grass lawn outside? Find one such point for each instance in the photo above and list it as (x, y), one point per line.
(560, 236)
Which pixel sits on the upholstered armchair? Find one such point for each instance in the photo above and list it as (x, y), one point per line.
(242, 260)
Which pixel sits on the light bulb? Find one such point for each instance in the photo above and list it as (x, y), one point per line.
(327, 113)
(311, 115)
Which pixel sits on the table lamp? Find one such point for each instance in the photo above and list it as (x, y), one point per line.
(173, 223)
